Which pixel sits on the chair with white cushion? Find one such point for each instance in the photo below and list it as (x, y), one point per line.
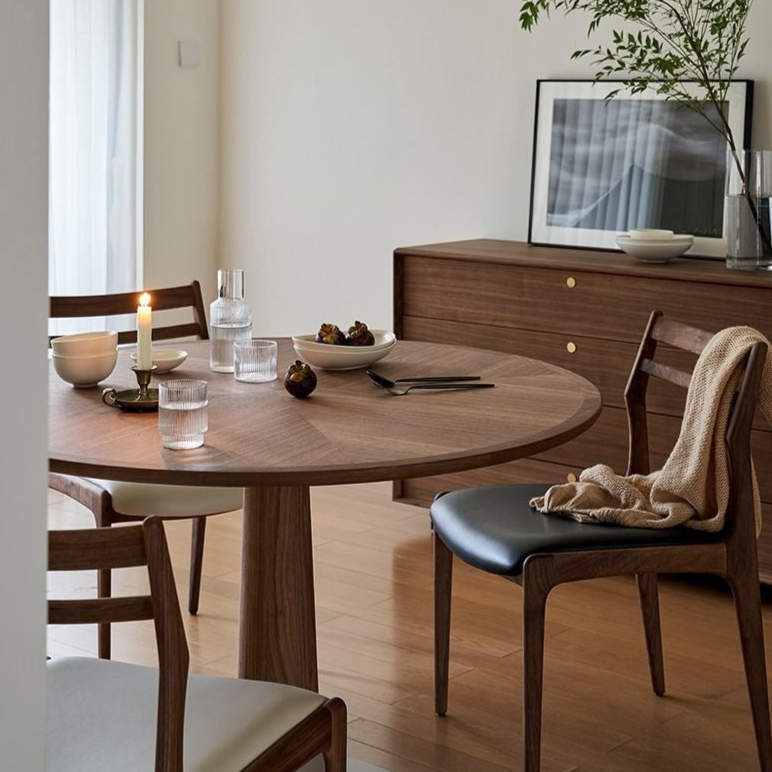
(117, 502)
(106, 716)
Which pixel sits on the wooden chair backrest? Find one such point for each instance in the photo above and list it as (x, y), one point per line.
(682, 336)
(113, 548)
(165, 299)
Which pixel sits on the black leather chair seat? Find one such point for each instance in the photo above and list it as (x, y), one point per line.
(495, 529)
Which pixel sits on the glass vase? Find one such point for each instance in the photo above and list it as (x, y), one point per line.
(747, 213)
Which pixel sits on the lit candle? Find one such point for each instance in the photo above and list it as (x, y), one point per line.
(144, 328)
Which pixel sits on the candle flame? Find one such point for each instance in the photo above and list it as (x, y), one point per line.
(144, 299)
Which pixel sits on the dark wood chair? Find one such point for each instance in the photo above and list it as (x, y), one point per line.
(494, 528)
(118, 502)
(117, 717)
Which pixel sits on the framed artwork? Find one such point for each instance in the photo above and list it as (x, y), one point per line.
(603, 166)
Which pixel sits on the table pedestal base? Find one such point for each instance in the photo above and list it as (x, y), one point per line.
(277, 637)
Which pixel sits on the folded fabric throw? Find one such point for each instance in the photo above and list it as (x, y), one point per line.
(692, 488)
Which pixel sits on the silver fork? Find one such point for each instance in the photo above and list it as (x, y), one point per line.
(437, 387)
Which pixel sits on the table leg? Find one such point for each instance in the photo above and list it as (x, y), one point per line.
(277, 639)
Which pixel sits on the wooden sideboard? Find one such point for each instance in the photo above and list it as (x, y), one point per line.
(585, 311)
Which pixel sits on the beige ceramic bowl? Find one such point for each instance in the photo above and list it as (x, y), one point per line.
(85, 344)
(85, 371)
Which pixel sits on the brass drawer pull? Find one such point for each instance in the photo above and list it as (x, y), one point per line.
(570, 347)
(571, 282)
(571, 477)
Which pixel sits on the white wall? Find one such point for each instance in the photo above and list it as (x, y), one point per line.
(181, 145)
(23, 313)
(351, 127)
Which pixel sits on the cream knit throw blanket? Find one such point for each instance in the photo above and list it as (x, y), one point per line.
(692, 488)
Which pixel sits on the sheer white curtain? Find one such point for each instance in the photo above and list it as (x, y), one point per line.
(95, 181)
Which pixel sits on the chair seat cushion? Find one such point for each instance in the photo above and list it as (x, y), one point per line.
(141, 499)
(102, 718)
(495, 529)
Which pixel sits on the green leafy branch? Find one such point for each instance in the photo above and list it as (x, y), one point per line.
(663, 44)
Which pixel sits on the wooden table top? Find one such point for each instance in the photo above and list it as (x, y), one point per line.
(349, 431)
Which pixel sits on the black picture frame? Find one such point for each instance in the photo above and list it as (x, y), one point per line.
(603, 166)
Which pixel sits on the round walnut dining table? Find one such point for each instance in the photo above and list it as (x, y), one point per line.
(276, 447)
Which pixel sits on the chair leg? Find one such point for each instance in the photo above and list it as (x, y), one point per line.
(443, 581)
(335, 757)
(196, 563)
(745, 588)
(647, 591)
(104, 590)
(534, 608)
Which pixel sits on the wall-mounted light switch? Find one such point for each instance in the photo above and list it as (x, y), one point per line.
(190, 53)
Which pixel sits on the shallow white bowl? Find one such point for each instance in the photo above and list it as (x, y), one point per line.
(341, 357)
(384, 339)
(85, 343)
(165, 359)
(650, 233)
(85, 371)
(655, 250)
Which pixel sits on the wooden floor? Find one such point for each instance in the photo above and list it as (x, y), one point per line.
(374, 598)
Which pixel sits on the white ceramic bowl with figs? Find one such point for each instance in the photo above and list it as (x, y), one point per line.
(329, 357)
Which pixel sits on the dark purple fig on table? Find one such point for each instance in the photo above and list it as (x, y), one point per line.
(331, 335)
(300, 380)
(359, 335)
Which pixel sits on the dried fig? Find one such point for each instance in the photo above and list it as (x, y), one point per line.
(359, 335)
(300, 380)
(331, 335)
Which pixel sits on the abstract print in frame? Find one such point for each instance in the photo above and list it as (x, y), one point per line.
(603, 166)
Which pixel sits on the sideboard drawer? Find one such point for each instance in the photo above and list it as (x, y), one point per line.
(595, 305)
(605, 363)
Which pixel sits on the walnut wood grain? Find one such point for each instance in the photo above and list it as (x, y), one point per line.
(596, 305)
(516, 298)
(348, 431)
(603, 443)
(516, 253)
(277, 592)
(125, 304)
(276, 446)
(605, 363)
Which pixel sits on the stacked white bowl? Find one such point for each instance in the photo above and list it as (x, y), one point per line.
(85, 358)
(344, 357)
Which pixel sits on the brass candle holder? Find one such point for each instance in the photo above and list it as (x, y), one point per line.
(141, 400)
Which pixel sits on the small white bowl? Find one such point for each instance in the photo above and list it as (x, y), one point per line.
(164, 359)
(650, 233)
(85, 371)
(656, 250)
(85, 343)
(341, 357)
